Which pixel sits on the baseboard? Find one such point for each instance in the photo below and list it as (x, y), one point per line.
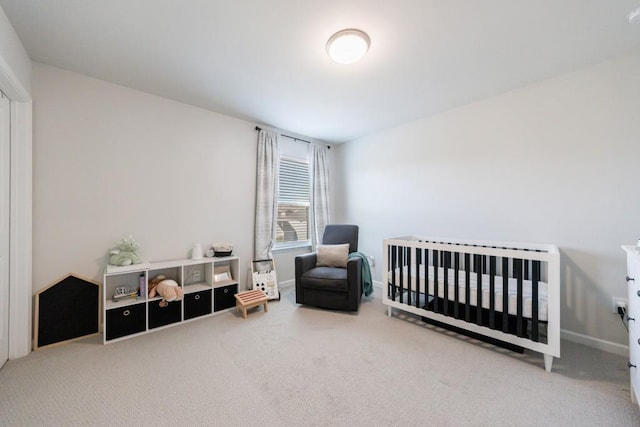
(286, 284)
(608, 346)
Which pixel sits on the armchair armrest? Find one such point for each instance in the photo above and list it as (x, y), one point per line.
(304, 263)
(354, 270)
(354, 277)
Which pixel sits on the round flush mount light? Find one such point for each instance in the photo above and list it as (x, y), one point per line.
(634, 17)
(348, 46)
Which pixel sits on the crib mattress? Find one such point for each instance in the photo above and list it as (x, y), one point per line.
(462, 298)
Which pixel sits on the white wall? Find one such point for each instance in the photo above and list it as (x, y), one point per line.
(110, 161)
(554, 162)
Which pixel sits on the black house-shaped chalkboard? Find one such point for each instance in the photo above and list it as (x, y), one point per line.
(66, 310)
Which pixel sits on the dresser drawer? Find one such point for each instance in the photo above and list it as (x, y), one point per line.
(123, 321)
(634, 356)
(197, 304)
(633, 284)
(633, 307)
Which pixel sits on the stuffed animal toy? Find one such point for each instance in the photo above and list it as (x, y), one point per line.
(125, 254)
(168, 289)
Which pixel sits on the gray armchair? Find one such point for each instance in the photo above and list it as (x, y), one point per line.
(334, 288)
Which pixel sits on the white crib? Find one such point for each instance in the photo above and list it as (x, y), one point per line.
(507, 292)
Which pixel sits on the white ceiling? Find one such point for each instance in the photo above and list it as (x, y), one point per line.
(265, 61)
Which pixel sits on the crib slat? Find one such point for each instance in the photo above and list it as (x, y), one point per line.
(392, 262)
(409, 282)
(478, 263)
(534, 300)
(401, 268)
(517, 266)
(492, 292)
(418, 263)
(467, 287)
(445, 277)
(427, 280)
(400, 262)
(505, 294)
(456, 283)
(435, 281)
(484, 264)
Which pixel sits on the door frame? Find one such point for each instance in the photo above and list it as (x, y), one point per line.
(20, 228)
(5, 222)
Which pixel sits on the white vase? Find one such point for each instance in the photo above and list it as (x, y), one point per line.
(196, 252)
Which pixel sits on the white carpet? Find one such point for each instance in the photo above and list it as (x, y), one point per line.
(299, 366)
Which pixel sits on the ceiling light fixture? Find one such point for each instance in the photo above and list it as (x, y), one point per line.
(634, 17)
(348, 46)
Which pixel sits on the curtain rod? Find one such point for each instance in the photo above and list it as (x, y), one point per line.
(258, 128)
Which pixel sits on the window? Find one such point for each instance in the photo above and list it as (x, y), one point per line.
(292, 222)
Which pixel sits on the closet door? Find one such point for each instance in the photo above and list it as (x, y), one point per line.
(5, 162)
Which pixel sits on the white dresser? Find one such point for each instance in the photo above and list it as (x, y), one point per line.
(633, 313)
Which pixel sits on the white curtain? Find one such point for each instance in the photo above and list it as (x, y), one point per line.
(266, 187)
(319, 191)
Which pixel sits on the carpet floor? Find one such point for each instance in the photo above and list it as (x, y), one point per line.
(300, 366)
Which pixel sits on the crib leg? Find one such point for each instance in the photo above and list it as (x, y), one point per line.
(548, 361)
(388, 311)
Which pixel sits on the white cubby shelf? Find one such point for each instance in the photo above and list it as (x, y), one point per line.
(203, 295)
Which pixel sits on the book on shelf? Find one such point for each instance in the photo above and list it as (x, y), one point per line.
(123, 293)
(142, 287)
(133, 295)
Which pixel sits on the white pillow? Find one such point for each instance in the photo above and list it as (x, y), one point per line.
(332, 255)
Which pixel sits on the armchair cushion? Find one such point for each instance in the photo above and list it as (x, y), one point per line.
(326, 278)
(332, 255)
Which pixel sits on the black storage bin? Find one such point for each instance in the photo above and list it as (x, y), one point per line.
(223, 297)
(161, 316)
(197, 304)
(123, 321)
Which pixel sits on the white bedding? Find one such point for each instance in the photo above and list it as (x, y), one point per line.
(512, 289)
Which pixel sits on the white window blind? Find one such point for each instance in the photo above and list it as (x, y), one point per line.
(293, 202)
